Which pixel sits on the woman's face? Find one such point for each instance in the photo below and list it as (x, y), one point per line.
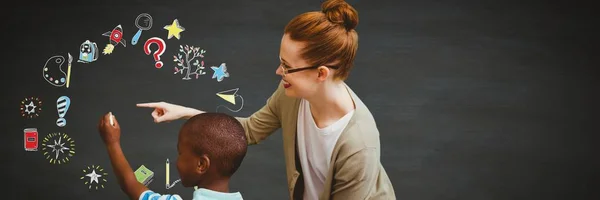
(299, 84)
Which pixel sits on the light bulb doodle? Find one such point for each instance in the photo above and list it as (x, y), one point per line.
(94, 176)
(62, 105)
(31, 107)
(230, 96)
(58, 148)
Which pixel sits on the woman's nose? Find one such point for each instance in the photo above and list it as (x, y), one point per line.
(279, 71)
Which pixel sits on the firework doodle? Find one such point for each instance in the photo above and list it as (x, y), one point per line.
(58, 148)
(94, 177)
(31, 107)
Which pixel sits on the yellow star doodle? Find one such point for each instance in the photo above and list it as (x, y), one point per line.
(174, 29)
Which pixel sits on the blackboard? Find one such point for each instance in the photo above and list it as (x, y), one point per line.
(473, 99)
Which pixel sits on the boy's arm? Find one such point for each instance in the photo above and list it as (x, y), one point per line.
(124, 173)
(111, 135)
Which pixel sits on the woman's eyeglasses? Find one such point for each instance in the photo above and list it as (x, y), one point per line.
(289, 71)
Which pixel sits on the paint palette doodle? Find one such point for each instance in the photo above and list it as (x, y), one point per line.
(53, 72)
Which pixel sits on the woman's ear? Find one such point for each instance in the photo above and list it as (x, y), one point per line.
(203, 164)
(324, 72)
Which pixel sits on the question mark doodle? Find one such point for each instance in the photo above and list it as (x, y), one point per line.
(161, 49)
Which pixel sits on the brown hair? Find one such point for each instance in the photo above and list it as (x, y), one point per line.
(329, 35)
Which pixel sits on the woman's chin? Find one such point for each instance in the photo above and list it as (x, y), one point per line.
(290, 93)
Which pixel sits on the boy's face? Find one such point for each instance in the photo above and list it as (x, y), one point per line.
(188, 166)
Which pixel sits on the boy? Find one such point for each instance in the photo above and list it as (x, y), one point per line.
(211, 147)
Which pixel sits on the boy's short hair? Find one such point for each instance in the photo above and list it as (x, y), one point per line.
(220, 136)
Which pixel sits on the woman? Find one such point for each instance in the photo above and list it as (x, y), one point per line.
(331, 142)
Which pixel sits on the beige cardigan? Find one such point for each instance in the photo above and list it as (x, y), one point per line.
(356, 171)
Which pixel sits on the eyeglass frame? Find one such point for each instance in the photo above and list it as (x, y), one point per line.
(294, 70)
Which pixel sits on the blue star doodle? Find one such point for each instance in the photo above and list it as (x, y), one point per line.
(220, 72)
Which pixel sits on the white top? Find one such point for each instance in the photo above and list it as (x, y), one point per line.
(315, 146)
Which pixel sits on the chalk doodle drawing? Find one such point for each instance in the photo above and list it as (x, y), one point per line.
(88, 52)
(95, 175)
(146, 21)
(62, 106)
(52, 71)
(229, 96)
(168, 184)
(31, 107)
(220, 72)
(115, 37)
(174, 29)
(69, 70)
(189, 55)
(144, 175)
(58, 148)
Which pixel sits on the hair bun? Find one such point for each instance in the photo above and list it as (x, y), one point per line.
(340, 12)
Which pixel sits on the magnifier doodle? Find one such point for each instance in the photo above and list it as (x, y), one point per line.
(146, 24)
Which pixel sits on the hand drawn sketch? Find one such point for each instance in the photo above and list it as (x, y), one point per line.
(115, 37)
(230, 96)
(58, 148)
(94, 176)
(174, 29)
(220, 72)
(189, 55)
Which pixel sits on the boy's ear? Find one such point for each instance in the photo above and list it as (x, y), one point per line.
(203, 164)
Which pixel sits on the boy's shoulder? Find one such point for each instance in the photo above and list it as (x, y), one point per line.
(151, 195)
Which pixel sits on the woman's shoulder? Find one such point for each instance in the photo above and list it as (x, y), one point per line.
(361, 131)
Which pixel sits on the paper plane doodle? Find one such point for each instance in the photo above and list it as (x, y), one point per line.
(116, 37)
(229, 95)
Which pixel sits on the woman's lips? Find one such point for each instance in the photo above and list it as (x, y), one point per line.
(286, 84)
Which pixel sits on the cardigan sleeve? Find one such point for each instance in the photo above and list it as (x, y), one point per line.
(264, 121)
(356, 175)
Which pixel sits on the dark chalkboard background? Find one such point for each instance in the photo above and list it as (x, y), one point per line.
(473, 99)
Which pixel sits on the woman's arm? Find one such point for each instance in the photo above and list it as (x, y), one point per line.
(165, 112)
(264, 121)
(190, 112)
(258, 126)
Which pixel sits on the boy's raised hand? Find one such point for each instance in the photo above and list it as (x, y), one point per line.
(110, 134)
